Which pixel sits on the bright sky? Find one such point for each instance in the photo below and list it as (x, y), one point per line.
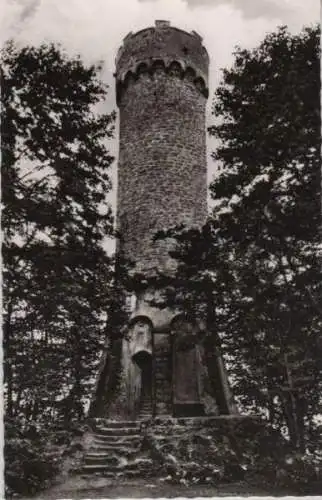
(95, 28)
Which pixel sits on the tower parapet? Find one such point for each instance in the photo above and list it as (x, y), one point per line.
(162, 46)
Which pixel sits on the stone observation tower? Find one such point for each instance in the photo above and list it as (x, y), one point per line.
(162, 78)
(162, 89)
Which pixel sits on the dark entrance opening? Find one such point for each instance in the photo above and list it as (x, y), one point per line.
(144, 361)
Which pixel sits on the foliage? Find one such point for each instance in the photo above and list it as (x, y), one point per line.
(36, 455)
(253, 272)
(30, 462)
(232, 454)
(55, 217)
(267, 198)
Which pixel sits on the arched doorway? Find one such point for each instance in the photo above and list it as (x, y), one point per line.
(140, 351)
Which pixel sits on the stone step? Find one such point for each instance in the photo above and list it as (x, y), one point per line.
(116, 423)
(97, 470)
(117, 440)
(124, 451)
(121, 450)
(101, 459)
(117, 431)
(131, 467)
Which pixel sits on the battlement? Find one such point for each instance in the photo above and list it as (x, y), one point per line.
(163, 46)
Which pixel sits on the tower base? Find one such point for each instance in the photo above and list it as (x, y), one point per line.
(188, 410)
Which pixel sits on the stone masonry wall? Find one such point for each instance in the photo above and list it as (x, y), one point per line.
(162, 172)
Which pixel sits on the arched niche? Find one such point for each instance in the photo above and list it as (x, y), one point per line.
(140, 351)
(129, 78)
(140, 336)
(141, 69)
(200, 84)
(175, 69)
(158, 66)
(190, 74)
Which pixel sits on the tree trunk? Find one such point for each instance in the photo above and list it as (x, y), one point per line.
(291, 409)
(75, 396)
(8, 371)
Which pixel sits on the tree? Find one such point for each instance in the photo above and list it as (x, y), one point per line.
(267, 198)
(255, 265)
(57, 276)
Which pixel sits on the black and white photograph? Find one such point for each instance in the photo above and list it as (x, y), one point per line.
(161, 249)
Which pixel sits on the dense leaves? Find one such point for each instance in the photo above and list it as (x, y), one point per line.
(254, 270)
(267, 215)
(268, 123)
(57, 276)
(30, 462)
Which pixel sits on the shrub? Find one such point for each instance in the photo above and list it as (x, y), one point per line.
(32, 457)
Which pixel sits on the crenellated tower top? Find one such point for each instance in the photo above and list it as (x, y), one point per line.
(162, 46)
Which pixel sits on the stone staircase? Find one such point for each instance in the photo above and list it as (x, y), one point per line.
(115, 451)
(146, 409)
(133, 450)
